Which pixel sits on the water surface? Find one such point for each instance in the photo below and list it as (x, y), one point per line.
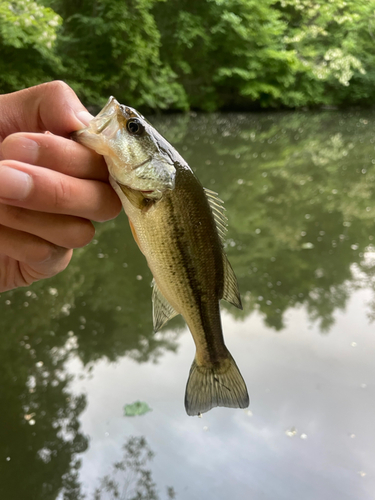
(299, 191)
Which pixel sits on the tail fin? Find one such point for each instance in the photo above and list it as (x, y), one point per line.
(219, 385)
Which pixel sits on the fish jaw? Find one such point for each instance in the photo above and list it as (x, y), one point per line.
(153, 176)
(91, 136)
(134, 161)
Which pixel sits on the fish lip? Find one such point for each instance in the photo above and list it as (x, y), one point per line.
(75, 135)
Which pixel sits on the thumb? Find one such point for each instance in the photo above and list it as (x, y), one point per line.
(52, 106)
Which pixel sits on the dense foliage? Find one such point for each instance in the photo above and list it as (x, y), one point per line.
(202, 54)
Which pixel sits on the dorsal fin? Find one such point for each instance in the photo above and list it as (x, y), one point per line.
(162, 311)
(217, 209)
(230, 293)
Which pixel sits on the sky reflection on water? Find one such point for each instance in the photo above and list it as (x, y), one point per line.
(308, 433)
(299, 191)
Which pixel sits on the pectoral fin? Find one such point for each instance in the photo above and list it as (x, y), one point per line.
(162, 311)
(135, 236)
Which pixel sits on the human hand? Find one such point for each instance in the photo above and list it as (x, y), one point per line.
(50, 186)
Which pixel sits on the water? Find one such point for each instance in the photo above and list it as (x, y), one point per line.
(74, 350)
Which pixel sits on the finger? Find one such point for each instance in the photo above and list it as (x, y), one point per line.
(51, 106)
(57, 153)
(61, 230)
(44, 190)
(42, 258)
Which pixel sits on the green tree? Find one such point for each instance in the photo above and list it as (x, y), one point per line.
(333, 43)
(225, 53)
(112, 47)
(28, 33)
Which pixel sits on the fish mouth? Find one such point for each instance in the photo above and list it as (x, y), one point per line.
(103, 126)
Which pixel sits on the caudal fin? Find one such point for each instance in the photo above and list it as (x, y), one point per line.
(219, 385)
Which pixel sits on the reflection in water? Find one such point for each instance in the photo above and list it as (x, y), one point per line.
(130, 478)
(299, 191)
(39, 428)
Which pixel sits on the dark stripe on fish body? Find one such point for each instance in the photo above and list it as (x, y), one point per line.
(209, 310)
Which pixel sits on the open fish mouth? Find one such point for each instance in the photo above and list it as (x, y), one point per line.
(131, 148)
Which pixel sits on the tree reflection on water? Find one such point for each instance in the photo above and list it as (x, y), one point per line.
(299, 191)
(130, 479)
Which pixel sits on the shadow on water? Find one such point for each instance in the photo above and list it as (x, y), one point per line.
(299, 191)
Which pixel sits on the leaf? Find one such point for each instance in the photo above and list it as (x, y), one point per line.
(135, 409)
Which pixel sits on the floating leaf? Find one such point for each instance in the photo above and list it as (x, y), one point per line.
(137, 408)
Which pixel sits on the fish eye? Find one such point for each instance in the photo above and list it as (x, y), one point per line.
(134, 126)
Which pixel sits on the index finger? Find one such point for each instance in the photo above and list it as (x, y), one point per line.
(51, 106)
(56, 153)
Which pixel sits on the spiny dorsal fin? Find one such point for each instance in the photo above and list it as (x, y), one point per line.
(162, 311)
(231, 293)
(217, 209)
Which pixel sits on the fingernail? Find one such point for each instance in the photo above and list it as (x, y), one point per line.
(21, 149)
(84, 117)
(14, 184)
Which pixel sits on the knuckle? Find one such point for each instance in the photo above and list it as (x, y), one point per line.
(15, 215)
(54, 87)
(69, 157)
(58, 86)
(57, 89)
(61, 194)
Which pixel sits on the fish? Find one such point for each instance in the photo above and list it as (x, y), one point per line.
(180, 228)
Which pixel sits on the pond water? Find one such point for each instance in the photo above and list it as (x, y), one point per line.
(76, 349)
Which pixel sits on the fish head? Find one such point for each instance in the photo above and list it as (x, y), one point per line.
(132, 149)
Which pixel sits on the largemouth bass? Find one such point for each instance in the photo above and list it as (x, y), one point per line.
(179, 226)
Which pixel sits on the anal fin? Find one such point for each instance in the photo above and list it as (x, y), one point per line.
(162, 311)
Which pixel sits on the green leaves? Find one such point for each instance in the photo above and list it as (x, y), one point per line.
(28, 32)
(26, 23)
(211, 54)
(329, 39)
